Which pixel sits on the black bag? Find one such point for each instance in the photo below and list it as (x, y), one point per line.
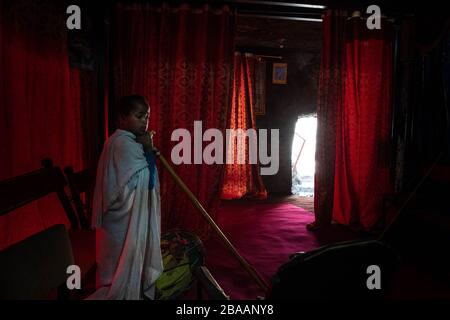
(337, 271)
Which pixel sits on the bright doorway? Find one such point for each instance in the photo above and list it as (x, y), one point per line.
(303, 156)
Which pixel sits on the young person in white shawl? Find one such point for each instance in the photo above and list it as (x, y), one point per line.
(126, 209)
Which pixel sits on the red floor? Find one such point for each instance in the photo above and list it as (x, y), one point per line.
(264, 234)
(267, 233)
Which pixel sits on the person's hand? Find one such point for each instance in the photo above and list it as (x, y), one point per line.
(146, 140)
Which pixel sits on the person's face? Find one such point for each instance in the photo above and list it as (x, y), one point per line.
(137, 121)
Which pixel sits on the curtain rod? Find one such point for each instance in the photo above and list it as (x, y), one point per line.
(268, 16)
(269, 57)
(278, 3)
(259, 55)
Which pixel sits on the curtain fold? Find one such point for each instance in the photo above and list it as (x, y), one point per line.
(329, 102)
(242, 180)
(39, 107)
(352, 185)
(180, 58)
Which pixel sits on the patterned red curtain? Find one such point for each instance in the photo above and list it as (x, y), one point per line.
(362, 162)
(180, 58)
(359, 109)
(39, 107)
(242, 179)
(328, 104)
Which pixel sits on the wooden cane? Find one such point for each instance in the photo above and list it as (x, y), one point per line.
(262, 284)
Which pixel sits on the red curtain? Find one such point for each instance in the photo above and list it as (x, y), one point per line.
(362, 165)
(328, 104)
(361, 118)
(180, 58)
(39, 107)
(242, 179)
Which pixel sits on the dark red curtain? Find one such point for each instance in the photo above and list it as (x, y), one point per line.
(242, 179)
(330, 92)
(39, 106)
(180, 58)
(361, 111)
(362, 163)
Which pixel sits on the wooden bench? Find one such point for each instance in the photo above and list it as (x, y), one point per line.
(81, 182)
(81, 236)
(36, 266)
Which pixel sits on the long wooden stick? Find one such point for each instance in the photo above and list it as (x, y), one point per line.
(262, 284)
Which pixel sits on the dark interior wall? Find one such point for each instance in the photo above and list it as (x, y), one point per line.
(284, 104)
(421, 109)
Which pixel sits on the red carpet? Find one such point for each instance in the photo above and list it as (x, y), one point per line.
(265, 235)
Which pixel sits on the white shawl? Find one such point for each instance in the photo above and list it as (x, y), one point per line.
(127, 217)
